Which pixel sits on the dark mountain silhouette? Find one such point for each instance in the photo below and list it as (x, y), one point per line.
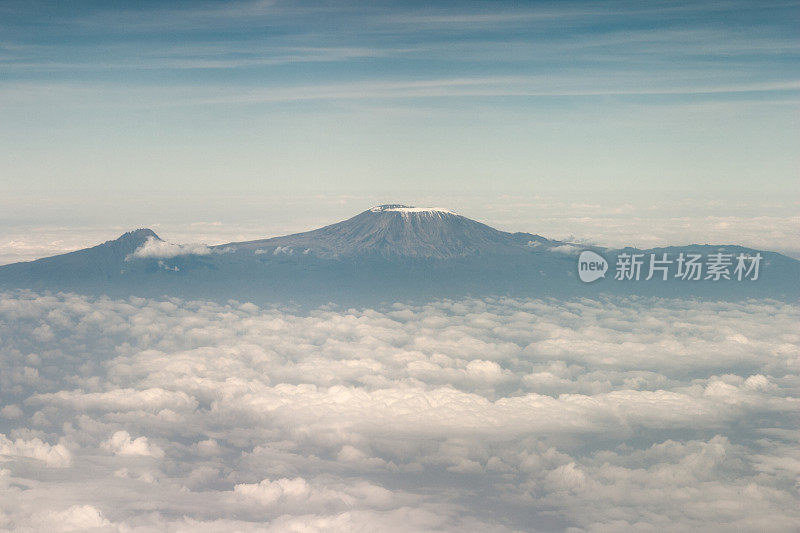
(387, 253)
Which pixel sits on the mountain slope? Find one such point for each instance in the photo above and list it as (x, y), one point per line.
(387, 253)
(102, 261)
(393, 231)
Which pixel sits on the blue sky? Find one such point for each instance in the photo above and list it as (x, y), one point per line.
(114, 103)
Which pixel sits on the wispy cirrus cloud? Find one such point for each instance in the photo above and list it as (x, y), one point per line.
(568, 95)
(483, 88)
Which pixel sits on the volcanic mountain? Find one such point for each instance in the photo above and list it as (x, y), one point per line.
(386, 253)
(397, 231)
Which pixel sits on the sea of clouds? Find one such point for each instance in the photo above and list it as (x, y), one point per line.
(472, 415)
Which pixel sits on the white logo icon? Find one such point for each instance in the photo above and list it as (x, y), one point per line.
(591, 266)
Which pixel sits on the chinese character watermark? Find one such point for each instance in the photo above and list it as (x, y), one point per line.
(662, 267)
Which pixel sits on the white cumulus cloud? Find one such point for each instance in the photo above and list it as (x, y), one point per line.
(465, 415)
(121, 443)
(155, 248)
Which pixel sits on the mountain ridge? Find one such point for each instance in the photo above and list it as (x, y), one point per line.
(390, 252)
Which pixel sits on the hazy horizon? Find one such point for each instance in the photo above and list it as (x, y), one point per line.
(769, 223)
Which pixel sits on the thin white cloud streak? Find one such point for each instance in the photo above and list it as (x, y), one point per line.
(570, 13)
(249, 14)
(211, 57)
(16, 93)
(668, 48)
(474, 87)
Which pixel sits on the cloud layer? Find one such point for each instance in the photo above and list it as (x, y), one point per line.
(635, 414)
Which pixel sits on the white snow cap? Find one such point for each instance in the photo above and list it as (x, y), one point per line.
(397, 208)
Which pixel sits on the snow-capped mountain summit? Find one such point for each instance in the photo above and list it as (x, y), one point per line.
(409, 210)
(395, 230)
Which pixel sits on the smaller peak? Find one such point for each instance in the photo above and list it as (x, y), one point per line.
(139, 234)
(130, 241)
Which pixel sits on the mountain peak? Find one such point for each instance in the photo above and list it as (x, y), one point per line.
(142, 232)
(392, 230)
(137, 235)
(130, 241)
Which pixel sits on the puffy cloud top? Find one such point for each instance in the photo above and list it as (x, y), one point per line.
(156, 248)
(457, 415)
